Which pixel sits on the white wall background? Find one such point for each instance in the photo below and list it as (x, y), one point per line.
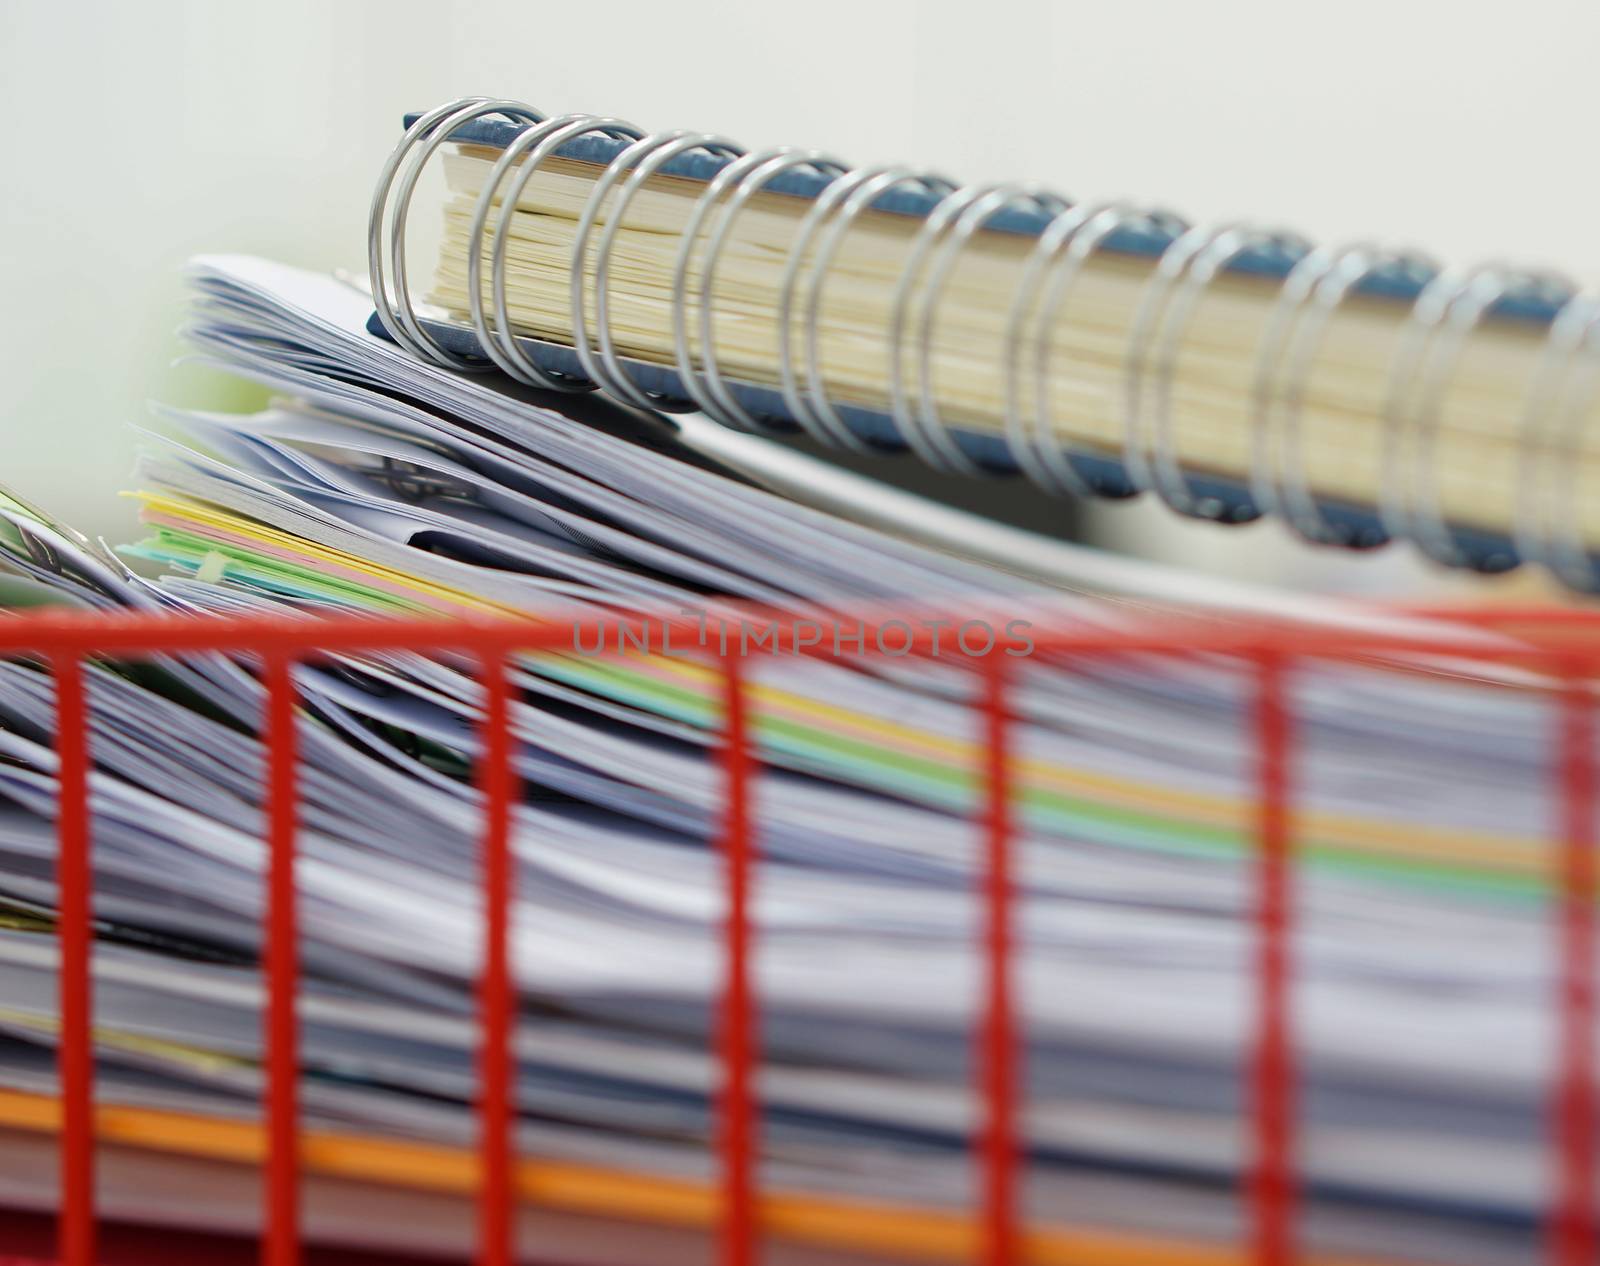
(137, 134)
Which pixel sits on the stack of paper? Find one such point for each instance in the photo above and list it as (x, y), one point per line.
(375, 483)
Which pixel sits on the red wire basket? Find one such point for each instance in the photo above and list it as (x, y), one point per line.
(1562, 642)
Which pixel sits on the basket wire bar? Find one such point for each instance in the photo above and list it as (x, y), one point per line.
(997, 1065)
(496, 991)
(1572, 1229)
(736, 1125)
(76, 1240)
(1269, 1189)
(280, 1240)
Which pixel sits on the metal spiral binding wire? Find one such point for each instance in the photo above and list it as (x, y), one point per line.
(746, 177)
(1316, 285)
(1444, 315)
(927, 268)
(1310, 296)
(640, 160)
(1047, 279)
(835, 210)
(531, 148)
(419, 143)
(1173, 292)
(1549, 445)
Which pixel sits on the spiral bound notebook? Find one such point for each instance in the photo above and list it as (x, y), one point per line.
(1364, 394)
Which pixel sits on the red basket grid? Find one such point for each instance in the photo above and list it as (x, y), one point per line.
(1564, 642)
